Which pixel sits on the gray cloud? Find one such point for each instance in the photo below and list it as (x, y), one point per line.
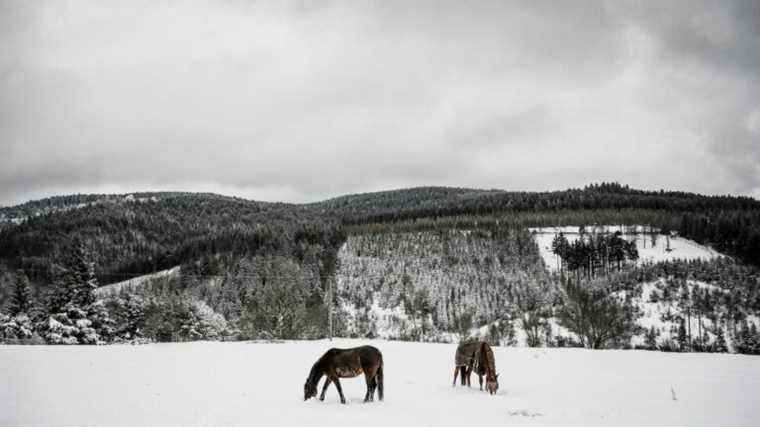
(303, 101)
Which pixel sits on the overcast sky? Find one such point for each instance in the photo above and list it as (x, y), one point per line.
(299, 101)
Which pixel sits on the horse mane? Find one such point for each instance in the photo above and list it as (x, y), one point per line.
(316, 372)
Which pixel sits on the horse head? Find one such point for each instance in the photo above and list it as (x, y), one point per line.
(492, 384)
(309, 389)
(310, 386)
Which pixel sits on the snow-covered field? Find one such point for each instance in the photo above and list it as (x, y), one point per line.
(258, 384)
(651, 247)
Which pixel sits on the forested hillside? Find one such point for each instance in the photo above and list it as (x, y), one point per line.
(730, 224)
(443, 281)
(137, 234)
(422, 264)
(490, 280)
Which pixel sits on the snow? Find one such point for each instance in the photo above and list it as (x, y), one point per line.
(242, 383)
(135, 282)
(652, 248)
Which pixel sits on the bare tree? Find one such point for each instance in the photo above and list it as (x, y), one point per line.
(594, 315)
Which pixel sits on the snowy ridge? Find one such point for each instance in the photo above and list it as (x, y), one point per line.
(113, 199)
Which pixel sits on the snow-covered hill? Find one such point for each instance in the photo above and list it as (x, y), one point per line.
(420, 285)
(18, 214)
(246, 384)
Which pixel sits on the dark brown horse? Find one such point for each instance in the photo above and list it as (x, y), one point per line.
(478, 356)
(347, 363)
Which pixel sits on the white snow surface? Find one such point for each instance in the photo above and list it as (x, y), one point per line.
(243, 383)
(651, 248)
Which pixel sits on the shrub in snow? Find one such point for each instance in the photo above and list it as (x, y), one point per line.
(668, 345)
(133, 341)
(166, 318)
(100, 320)
(57, 329)
(747, 340)
(18, 329)
(75, 325)
(563, 341)
(128, 313)
(211, 325)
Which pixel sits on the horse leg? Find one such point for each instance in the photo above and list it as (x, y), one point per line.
(369, 387)
(469, 374)
(324, 389)
(456, 372)
(480, 378)
(340, 390)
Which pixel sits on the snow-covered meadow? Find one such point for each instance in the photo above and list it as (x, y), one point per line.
(243, 383)
(652, 247)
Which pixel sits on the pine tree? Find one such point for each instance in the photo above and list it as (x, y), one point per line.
(720, 341)
(682, 338)
(74, 315)
(650, 339)
(60, 293)
(21, 298)
(84, 276)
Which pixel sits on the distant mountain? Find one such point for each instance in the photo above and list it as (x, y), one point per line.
(139, 233)
(427, 263)
(438, 201)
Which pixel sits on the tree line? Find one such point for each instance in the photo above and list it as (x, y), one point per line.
(593, 254)
(268, 291)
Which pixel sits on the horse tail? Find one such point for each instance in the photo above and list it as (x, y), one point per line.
(380, 380)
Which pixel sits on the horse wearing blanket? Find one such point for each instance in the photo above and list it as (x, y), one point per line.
(478, 356)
